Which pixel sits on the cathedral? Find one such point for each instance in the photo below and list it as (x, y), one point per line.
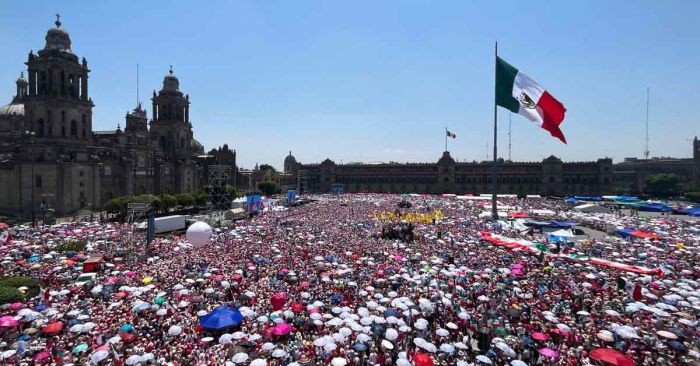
(51, 157)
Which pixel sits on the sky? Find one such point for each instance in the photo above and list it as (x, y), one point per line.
(380, 80)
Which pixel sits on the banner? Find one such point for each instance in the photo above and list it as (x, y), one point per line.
(535, 248)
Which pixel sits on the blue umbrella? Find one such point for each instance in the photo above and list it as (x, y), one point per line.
(40, 307)
(336, 298)
(360, 347)
(391, 312)
(221, 318)
(330, 258)
(126, 328)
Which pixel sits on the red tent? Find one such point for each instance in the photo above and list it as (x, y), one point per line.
(611, 357)
(421, 359)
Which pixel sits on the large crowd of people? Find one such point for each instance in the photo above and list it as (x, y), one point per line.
(319, 285)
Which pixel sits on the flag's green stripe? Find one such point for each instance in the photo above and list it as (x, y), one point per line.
(505, 77)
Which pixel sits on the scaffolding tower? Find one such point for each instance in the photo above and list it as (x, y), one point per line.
(219, 176)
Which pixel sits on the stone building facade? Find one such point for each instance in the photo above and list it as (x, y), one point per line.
(551, 176)
(630, 175)
(50, 155)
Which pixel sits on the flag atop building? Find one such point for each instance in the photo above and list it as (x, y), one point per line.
(451, 134)
(520, 94)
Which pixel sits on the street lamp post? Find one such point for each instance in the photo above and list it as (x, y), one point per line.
(30, 137)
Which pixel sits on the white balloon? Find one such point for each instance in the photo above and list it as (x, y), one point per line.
(199, 234)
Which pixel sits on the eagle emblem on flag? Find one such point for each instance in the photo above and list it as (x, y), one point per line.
(526, 101)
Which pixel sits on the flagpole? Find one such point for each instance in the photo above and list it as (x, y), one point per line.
(494, 169)
(445, 138)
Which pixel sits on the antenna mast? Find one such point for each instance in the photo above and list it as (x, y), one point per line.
(138, 100)
(487, 150)
(646, 146)
(510, 125)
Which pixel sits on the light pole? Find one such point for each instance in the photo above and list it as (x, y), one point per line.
(30, 137)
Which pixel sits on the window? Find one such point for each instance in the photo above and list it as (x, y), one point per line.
(73, 128)
(37, 181)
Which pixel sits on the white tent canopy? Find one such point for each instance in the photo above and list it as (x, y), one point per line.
(590, 207)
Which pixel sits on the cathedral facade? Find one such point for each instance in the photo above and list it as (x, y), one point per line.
(51, 157)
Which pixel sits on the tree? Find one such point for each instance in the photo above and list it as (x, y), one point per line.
(267, 167)
(167, 202)
(114, 206)
(269, 187)
(693, 196)
(663, 185)
(184, 199)
(232, 191)
(200, 197)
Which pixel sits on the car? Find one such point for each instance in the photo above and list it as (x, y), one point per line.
(85, 279)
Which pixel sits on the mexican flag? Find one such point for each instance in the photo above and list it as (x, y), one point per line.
(520, 94)
(451, 134)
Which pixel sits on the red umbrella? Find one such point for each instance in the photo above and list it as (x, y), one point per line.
(297, 308)
(4, 225)
(611, 357)
(52, 328)
(127, 337)
(278, 301)
(421, 359)
(281, 329)
(539, 336)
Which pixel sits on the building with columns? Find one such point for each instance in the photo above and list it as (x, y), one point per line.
(51, 157)
(550, 176)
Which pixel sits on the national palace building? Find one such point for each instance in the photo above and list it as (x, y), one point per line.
(550, 176)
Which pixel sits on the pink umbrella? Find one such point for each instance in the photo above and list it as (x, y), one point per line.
(16, 306)
(539, 336)
(112, 280)
(41, 356)
(518, 265)
(130, 274)
(548, 352)
(8, 321)
(281, 329)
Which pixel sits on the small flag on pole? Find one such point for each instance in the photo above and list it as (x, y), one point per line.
(451, 134)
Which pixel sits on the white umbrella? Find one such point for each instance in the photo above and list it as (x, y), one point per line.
(133, 360)
(339, 361)
(330, 347)
(278, 353)
(391, 334)
(225, 338)
(239, 357)
(484, 359)
(268, 346)
(386, 344)
(78, 328)
(442, 332)
(447, 348)
(98, 356)
(258, 362)
(175, 330)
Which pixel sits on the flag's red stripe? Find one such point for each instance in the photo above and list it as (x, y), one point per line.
(552, 115)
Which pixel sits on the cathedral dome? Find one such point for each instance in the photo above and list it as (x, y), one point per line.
(171, 82)
(12, 109)
(57, 39)
(290, 159)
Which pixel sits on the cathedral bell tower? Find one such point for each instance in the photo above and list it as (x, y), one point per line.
(170, 127)
(56, 98)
